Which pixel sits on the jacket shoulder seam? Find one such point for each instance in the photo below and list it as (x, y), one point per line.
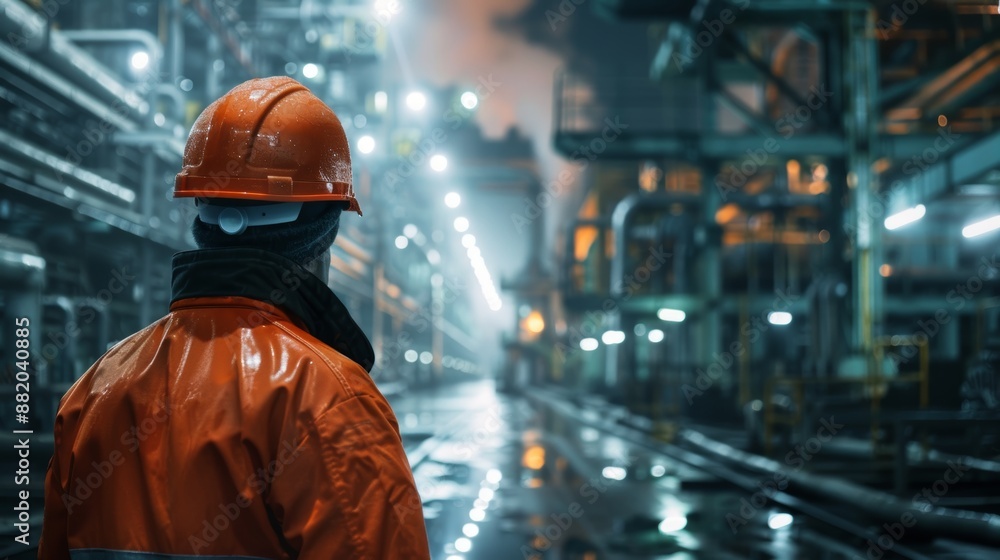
(336, 370)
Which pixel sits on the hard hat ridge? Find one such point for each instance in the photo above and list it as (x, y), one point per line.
(268, 139)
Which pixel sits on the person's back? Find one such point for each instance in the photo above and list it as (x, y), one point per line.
(242, 424)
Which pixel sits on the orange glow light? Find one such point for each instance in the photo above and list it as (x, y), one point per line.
(534, 323)
(534, 457)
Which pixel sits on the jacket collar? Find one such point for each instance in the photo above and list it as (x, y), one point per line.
(271, 278)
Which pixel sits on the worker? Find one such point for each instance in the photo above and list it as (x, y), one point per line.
(244, 423)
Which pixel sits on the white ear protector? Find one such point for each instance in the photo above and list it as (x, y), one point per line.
(234, 220)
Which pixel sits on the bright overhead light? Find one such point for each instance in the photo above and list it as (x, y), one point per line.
(477, 514)
(470, 530)
(613, 337)
(614, 473)
(381, 100)
(452, 200)
(426, 358)
(671, 315)
(310, 70)
(439, 163)
(139, 60)
(470, 100)
(410, 356)
(981, 227)
(410, 230)
(655, 335)
(779, 317)
(468, 241)
(463, 544)
(461, 224)
(588, 344)
(366, 144)
(673, 523)
(433, 256)
(494, 476)
(402, 242)
(779, 520)
(416, 101)
(386, 9)
(905, 217)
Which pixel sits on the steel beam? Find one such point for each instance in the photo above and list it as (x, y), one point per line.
(764, 70)
(753, 119)
(966, 165)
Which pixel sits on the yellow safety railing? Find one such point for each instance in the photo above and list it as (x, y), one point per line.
(873, 382)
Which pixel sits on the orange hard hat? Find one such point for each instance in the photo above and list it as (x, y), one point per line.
(268, 139)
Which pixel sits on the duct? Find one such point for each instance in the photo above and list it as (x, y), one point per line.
(70, 65)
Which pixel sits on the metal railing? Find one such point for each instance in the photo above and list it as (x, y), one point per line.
(873, 386)
(644, 106)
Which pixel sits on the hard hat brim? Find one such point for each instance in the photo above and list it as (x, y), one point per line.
(276, 189)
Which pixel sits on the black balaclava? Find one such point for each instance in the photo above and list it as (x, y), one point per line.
(301, 241)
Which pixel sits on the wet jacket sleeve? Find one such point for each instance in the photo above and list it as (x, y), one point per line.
(346, 490)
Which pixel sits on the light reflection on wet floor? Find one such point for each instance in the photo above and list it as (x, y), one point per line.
(506, 481)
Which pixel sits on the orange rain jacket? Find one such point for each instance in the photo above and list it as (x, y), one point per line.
(243, 424)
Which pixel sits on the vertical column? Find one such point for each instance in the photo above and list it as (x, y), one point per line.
(146, 208)
(176, 40)
(437, 331)
(213, 87)
(946, 344)
(861, 119)
(709, 238)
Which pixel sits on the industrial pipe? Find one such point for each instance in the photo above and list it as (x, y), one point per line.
(73, 66)
(619, 225)
(955, 523)
(146, 38)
